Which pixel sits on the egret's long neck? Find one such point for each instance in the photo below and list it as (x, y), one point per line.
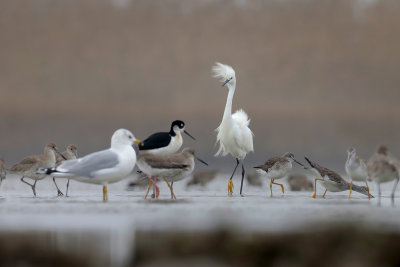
(228, 106)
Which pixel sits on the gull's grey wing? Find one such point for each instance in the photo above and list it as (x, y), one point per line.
(89, 164)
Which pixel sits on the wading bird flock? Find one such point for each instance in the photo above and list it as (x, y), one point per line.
(158, 158)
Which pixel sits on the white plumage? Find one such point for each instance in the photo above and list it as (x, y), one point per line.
(233, 134)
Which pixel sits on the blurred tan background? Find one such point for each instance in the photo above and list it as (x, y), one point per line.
(314, 76)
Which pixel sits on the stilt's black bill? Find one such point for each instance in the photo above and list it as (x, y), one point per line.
(202, 161)
(186, 132)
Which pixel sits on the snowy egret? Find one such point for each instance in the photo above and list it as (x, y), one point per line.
(234, 135)
(382, 168)
(356, 169)
(70, 153)
(164, 143)
(102, 167)
(27, 167)
(3, 170)
(332, 181)
(277, 168)
(171, 168)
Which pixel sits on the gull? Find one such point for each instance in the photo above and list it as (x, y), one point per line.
(233, 134)
(332, 181)
(70, 153)
(277, 168)
(103, 167)
(3, 170)
(356, 169)
(171, 168)
(27, 167)
(383, 167)
(164, 143)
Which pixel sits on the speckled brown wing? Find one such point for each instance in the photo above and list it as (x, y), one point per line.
(26, 161)
(331, 175)
(268, 164)
(166, 162)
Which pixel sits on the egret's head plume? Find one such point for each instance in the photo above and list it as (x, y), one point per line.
(225, 73)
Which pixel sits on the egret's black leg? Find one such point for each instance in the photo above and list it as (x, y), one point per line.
(241, 184)
(237, 164)
(394, 189)
(230, 183)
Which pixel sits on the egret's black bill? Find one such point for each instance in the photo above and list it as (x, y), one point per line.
(227, 81)
(189, 134)
(202, 161)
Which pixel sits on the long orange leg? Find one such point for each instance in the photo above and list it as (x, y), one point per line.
(369, 194)
(281, 185)
(323, 196)
(148, 188)
(105, 193)
(315, 186)
(351, 189)
(170, 188)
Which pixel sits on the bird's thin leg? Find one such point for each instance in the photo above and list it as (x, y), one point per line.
(148, 188)
(170, 188)
(241, 183)
(66, 192)
(105, 193)
(315, 186)
(59, 193)
(281, 185)
(323, 196)
(230, 183)
(351, 189)
(369, 194)
(157, 193)
(31, 185)
(394, 190)
(34, 188)
(379, 193)
(270, 185)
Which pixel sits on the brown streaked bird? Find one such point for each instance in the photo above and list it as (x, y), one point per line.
(27, 167)
(202, 178)
(382, 167)
(3, 170)
(356, 169)
(277, 168)
(332, 181)
(70, 153)
(171, 168)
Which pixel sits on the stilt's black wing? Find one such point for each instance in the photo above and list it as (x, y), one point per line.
(156, 140)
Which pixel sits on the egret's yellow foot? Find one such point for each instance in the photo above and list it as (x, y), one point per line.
(369, 194)
(323, 196)
(170, 188)
(230, 187)
(315, 186)
(351, 189)
(105, 193)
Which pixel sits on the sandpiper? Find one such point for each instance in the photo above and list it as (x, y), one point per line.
(102, 167)
(171, 168)
(332, 181)
(356, 169)
(70, 153)
(27, 167)
(277, 168)
(383, 167)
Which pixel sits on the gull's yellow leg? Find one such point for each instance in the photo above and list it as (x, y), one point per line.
(105, 193)
(351, 189)
(315, 186)
(170, 188)
(281, 185)
(323, 196)
(270, 186)
(369, 194)
(230, 188)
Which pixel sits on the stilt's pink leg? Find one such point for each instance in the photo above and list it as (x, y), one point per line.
(154, 179)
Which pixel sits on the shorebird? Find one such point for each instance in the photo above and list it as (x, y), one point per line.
(202, 178)
(382, 167)
(233, 134)
(164, 143)
(27, 167)
(102, 167)
(171, 168)
(70, 153)
(356, 169)
(3, 170)
(277, 168)
(332, 181)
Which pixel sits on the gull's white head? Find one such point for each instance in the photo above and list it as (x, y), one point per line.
(225, 73)
(123, 137)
